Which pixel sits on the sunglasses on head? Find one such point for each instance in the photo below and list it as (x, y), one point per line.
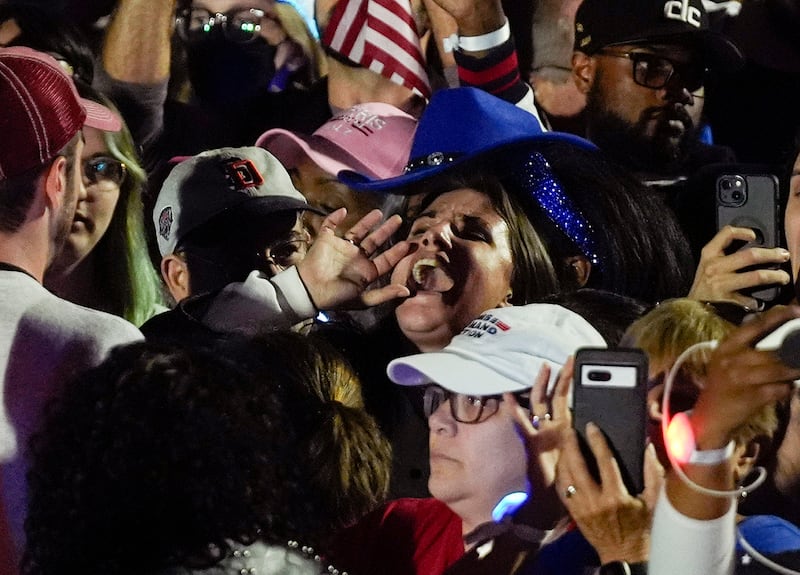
(104, 169)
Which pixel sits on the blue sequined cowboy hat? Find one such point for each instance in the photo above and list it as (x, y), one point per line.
(458, 126)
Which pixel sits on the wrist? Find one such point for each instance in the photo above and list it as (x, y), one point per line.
(683, 446)
(480, 42)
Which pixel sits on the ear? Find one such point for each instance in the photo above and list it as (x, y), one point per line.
(583, 71)
(745, 457)
(654, 399)
(55, 183)
(580, 267)
(507, 300)
(176, 275)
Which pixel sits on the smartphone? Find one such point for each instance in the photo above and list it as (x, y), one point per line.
(751, 200)
(610, 389)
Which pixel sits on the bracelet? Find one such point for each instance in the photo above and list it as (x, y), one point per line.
(478, 43)
(712, 456)
(681, 444)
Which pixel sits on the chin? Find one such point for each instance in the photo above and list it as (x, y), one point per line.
(427, 328)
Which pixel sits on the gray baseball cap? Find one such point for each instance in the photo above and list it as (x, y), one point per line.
(247, 180)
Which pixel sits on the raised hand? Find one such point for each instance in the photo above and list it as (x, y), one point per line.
(541, 429)
(473, 17)
(718, 277)
(337, 271)
(740, 379)
(616, 523)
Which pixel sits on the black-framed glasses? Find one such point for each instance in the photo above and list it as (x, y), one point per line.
(655, 71)
(241, 25)
(285, 254)
(464, 408)
(104, 169)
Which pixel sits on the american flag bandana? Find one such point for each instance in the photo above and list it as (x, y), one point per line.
(380, 35)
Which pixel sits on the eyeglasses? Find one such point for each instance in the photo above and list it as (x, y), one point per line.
(241, 25)
(463, 408)
(104, 169)
(655, 72)
(285, 254)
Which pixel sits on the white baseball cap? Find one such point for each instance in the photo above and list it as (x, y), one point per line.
(501, 351)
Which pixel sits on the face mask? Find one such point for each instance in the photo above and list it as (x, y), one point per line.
(225, 73)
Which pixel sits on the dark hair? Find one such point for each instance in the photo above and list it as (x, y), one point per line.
(18, 193)
(347, 457)
(644, 253)
(163, 455)
(51, 32)
(533, 275)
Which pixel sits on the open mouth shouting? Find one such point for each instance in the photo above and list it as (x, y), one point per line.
(430, 274)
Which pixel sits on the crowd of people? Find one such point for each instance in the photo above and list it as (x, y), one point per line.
(293, 297)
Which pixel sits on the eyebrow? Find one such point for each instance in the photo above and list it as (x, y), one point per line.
(476, 220)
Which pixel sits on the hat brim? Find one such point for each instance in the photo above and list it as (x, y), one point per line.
(455, 373)
(402, 184)
(100, 117)
(266, 206)
(289, 148)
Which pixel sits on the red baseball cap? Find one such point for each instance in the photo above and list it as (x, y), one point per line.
(40, 110)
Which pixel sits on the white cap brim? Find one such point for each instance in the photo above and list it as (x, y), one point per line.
(459, 374)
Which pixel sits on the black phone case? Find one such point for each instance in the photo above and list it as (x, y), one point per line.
(758, 208)
(620, 412)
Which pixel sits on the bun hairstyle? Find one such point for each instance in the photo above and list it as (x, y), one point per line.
(347, 457)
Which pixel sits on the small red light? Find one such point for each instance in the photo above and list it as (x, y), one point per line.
(680, 438)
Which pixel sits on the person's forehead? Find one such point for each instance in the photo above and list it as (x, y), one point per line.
(462, 202)
(228, 5)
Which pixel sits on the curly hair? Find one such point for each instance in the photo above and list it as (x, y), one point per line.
(163, 455)
(347, 457)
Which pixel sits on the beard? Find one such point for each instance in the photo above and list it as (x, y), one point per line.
(63, 223)
(653, 144)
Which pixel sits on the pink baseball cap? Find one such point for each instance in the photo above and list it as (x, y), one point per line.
(41, 110)
(373, 139)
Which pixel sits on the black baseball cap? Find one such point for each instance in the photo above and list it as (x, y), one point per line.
(602, 23)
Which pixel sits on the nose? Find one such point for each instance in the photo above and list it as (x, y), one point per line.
(676, 91)
(438, 234)
(313, 223)
(441, 421)
(272, 269)
(83, 188)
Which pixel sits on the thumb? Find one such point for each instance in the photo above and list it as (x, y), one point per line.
(653, 477)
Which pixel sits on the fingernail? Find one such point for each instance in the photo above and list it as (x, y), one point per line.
(785, 254)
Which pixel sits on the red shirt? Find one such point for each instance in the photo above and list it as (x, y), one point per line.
(403, 537)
